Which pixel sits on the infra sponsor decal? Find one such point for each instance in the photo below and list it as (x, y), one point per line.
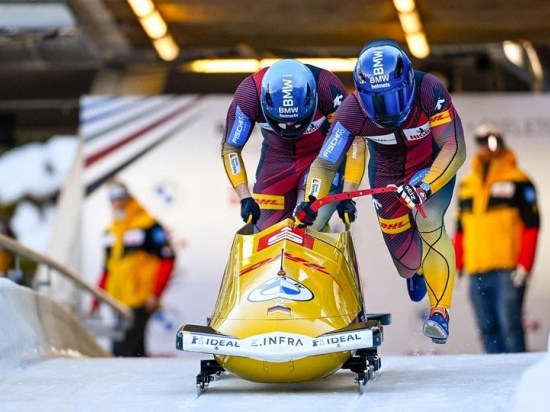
(272, 202)
(394, 226)
(440, 118)
(387, 139)
(335, 143)
(235, 163)
(277, 340)
(418, 133)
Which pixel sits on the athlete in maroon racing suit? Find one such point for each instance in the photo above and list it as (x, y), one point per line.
(416, 143)
(293, 104)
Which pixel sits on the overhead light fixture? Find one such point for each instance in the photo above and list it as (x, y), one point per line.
(154, 25)
(253, 65)
(142, 7)
(156, 28)
(412, 27)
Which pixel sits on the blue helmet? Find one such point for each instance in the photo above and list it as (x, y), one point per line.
(384, 80)
(288, 98)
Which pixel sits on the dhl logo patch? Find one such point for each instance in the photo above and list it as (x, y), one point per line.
(440, 118)
(394, 226)
(272, 202)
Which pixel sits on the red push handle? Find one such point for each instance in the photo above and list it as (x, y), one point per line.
(315, 206)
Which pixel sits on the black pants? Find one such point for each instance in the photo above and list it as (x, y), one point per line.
(133, 342)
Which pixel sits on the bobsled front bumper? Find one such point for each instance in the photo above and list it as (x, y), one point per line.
(279, 346)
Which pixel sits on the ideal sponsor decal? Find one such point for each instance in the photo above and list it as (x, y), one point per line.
(335, 143)
(336, 340)
(209, 341)
(271, 202)
(234, 163)
(394, 226)
(386, 139)
(418, 133)
(440, 118)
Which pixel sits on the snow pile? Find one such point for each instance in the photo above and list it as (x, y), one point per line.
(31, 177)
(532, 393)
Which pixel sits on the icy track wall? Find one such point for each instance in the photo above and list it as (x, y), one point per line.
(33, 327)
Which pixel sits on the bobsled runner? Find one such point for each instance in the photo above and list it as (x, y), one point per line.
(290, 308)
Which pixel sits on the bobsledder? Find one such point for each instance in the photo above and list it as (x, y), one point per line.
(290, 308)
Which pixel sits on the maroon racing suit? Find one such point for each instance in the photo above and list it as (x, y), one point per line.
(284, 163)
(431, 137)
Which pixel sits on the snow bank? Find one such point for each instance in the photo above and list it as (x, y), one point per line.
(34, 327)
(532, 393)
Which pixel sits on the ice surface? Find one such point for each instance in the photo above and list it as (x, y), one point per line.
(410, 383)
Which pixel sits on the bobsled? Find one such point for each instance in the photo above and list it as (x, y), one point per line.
(290, 308)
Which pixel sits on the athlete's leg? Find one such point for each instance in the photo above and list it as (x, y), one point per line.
(400, 233)
(438, 258)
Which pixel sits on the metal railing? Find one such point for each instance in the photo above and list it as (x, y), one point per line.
(17, 248)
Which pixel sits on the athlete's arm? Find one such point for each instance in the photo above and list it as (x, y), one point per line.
(338, 141)
(240, 120)
(529, 215)
(447, 132)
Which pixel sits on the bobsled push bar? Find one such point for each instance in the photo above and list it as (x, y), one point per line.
(275, 347)
(315, 206)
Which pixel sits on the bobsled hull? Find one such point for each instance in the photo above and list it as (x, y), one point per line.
(289, 308)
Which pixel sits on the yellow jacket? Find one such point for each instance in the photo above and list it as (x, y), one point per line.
(497, 217)
(135, 249)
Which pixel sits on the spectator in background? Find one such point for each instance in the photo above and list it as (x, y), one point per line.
(496, 240)
(139, 261)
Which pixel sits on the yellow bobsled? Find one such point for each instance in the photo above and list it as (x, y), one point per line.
(289, 309)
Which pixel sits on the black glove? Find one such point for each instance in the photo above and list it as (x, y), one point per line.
(249, 208)
(347, 207)
(303, 212)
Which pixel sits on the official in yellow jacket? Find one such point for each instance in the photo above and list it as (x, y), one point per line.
(496, 239)
(138, 264)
